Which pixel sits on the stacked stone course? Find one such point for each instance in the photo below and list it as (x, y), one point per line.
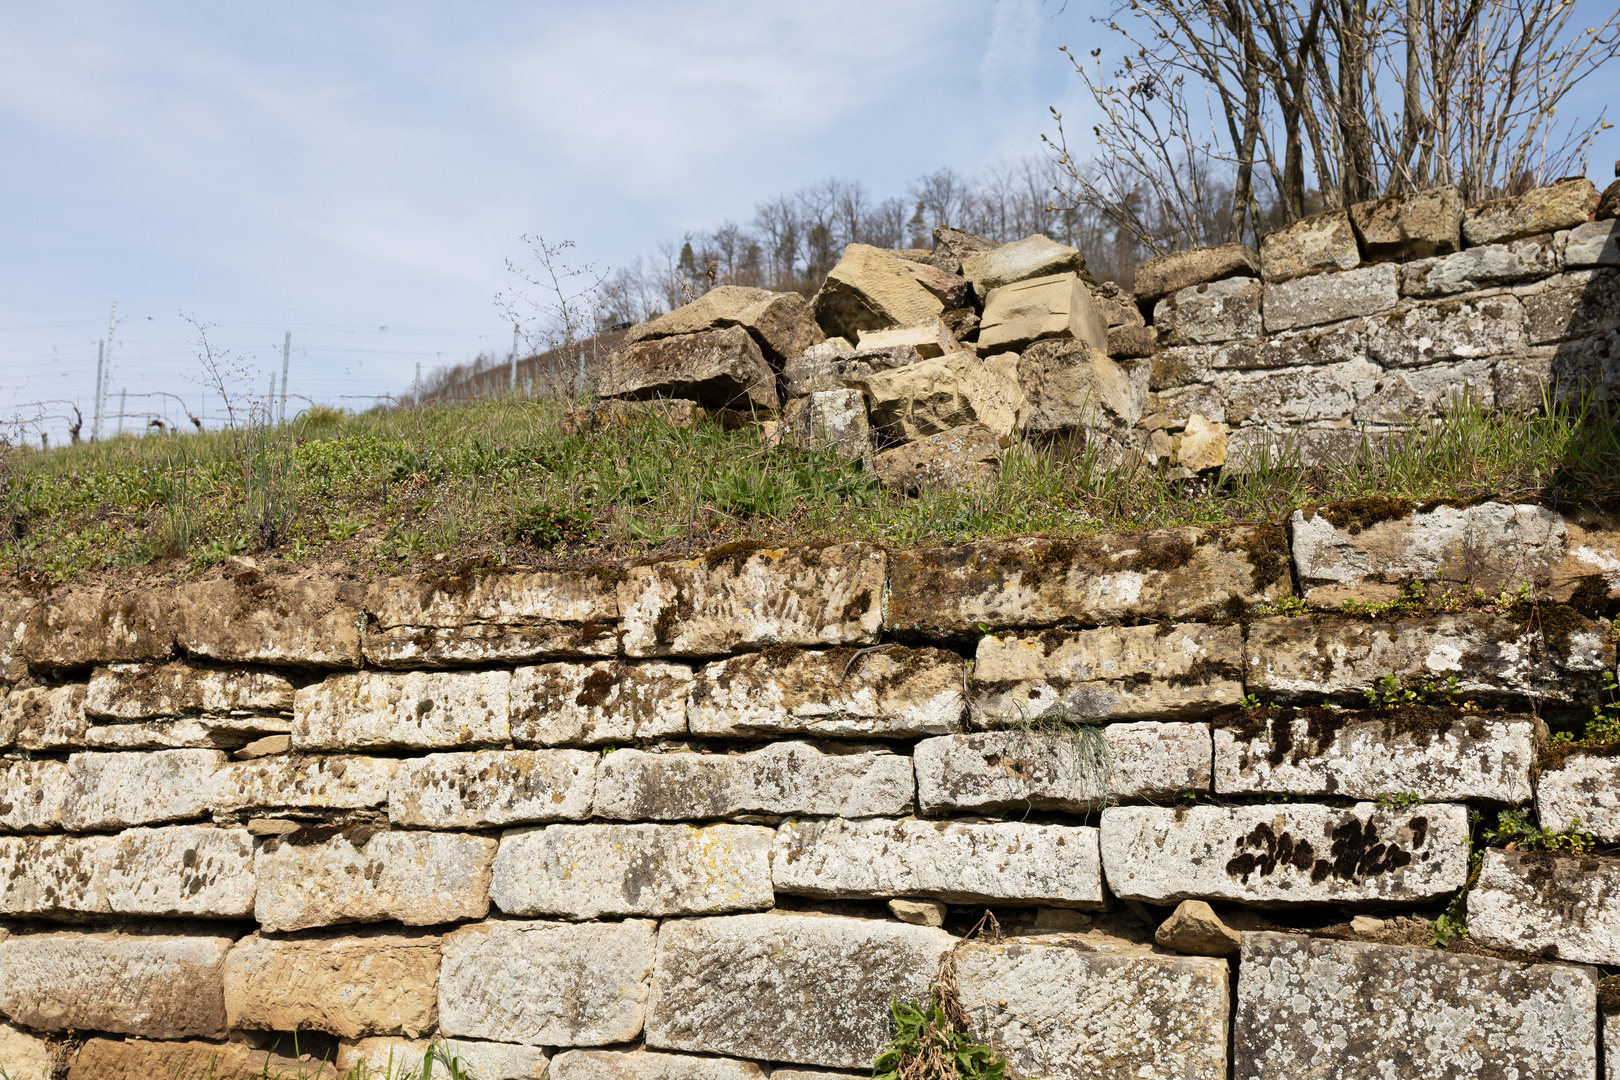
(645, 822)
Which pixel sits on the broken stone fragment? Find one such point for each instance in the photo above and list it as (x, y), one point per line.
(1321, 242)
(44, 718)
(952, 289)
(1317, 299)
(1609, 202)
(418, 710)
(268, 746)
(143, 691)
(1055, 306)
(719, 369)
(1562, 205)
(1202, 444)
(780, 322)
(869, 289)
(1194, 929)
(963, 458)
(930, 339)
(1165, 274)
(493, 787)
(1032, 257)
(1068, 386)
(353, 985)
(1548, 904)
(918, 912)
(959, 244)
(1420, 225)
(934, 396)
(1210, 313)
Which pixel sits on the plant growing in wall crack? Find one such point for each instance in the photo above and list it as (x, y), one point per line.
(935, 1041)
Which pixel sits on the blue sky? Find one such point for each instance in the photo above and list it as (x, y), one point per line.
(338, 169)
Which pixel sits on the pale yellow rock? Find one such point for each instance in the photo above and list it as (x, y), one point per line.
(493, 787)
(929, 339)
(303, 781)
(869, 289)
(349, 986)
(144, 691)
(966, 457)
(143, 1059)
(1194, 929)
(1321, 242)
(265, 747)
(24, 1056)
(1203, 444)
(918, 912)
(117, 791)
(1068, 385)
(1058, 305)
(1032, 257)
(934, 396)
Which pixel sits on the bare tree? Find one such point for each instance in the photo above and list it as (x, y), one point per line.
(556, 305)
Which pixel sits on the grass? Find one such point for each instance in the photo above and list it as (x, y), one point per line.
(502, 480)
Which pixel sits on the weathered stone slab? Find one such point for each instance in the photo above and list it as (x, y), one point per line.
(1463, 328)
(117, 791)
(1185, 574)
(1116, 672)
(1285, 854)
(1418, 225)
(1402, 397)
(1325, 298)
(869, 289)
(1069, 386)
(1068, 1013)
(934, 396)
(1491, 657)
(1056, 306)
(141, 1059)
(1562, 205)
(1559, 907)
(587, 871)
(889, 692)
(161, 986)
(966, 457)
(1581, 787)
(783, 778)
(649, 1065)
(416, 710)
(1165, 274)
(352, 985)
(1310, 245)
(143, 691)
(1210, 313)
(15, 609)
(1578, 304)
(44, 718)
(391, 1057)
(27, 1057)
(193, 732)
(547, 983)
(418, 878)
(829, 420)
(1318, 1007)
(1075, 771)
(728, 601)
(1006, 862)
(1298, 395)
(797, 988)
(602, 702)
(85, 625)
(187, 870)
(780, 322)
(493, 787)
(254, 618)
(1596, 243)
(1434, 754)
(297, 781)
(1032, 257)
(719, 369)
(31, 795)
(1481, 267)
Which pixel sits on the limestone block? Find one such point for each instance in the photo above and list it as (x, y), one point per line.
(1115, 306)
(26, 1057)
(188, 870)
(1202, 446)
(1310, 349)
(1067, 385)
(719, 369)
(1065, 1012)
(117, 791)
(869, 289)
(44, 718)
(1166, 274)
(648, 1065)
(830, 420)
(418, 878)
(493, 787)
(930, 339)
(1006, 862)
(1562, 205)
(1325, 298)
(1318, 1007)
(963, 457)
(932, 396)
(140, 1059)
(143, 691)
(1435, 754)
(160, 986)
(1210, 313)
(1584, 787)
(387, 1058)
(1402, 397)
(1553, 906)
(1309, 658)
(31, 795)
(1425, 333)
(820, 367)
(1321, 242)
(1075, 772)
(1174, 408)
(296, 781)
(1184, 574)
(1578, 304)
(781, 323)
(1195, 930)
(717, 308)
(1481, 268)
(1523, 383)
(15, 610)
(1132, 342)
(1115, 672)
(891, 692)
(547, 983)
(416, 710)
(1054, 306)
(954, 243)
(783, 778)
(1596, 243)
(587, 871)
(1285, 854)
(809, 989)
(85, 625)
(1420, 225)
(254, 618)
(728, 601)
(1032, 257)
(1609, 202)
(193, 732)
(938, 274)
(602, 702)
(350, 985)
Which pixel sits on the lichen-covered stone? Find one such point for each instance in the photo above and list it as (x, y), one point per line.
(649, 1065)
(117, 791)
(752, 597)
(143, 691)
(1285, 854)
(44, 718)
(416, 710)
(186, 870)
(1596, 243)
(160, 986)
(815, 990)
(1324, 298)
(1559, 907)
(1417, 225)
(964, 458)
(1436, 755)
(1184, 574)
(608, 701)
(887, 692)
(783, 778)
(1406, 396)
(254, 618)
(1004, 862)
(1344, 1009)
(388, 1058)
(587, 871)
(719, 369)
(15, 610)
(1581, 787)
(935, 396)
(1067, 1013)
(1119, 673)
(1320, 242)
(1575, 305)
(417, 878)
(84, 625)
(31, 795)
(1425, 333)
(1562, 205)
(351, 985)
(1210, 313)
(1481, 268)
(829, 420)
(1072, 771)
(547, 983)
(1298, 395)
(1165, 274)
(493, 787)
(308, 782)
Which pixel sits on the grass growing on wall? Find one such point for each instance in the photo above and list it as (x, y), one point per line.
(503, 479)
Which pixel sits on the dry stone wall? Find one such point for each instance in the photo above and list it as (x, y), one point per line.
(709, 817)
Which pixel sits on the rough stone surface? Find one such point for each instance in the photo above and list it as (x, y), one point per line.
(1068, 1013)
(1559, 907)
(603, 702)
(294, 781)
(44, 718)
(1210, 313)
(1596, 243)
(1347, 1010)
(32, 793)
(191, 733)
(959, 244)
(952, 289)
(933, 396)
(720, 369)
(1300, 395)
(143, 691)
(351, 985)
(117, 791)
(830, 420)
(1165, 274)
(1325, 298)
(587, 871)
(919, 912)
(480, 1060)
(1412, 226)
(1584, 787)
(931, 339)
(1481, 267)
(1445, 331)
(1056, 306)
(1563, 205)
(1069, 386)
(1194, 929)
(1075, 773)
(783, 778)
(1322, 242)
(26, 1057)
(493, 787)
(1032, 257)
(417, 878)
(1365, 755)
(780, 322)
(547, 983)
(417, 710)
(1575, 305)
(964, 457)
(140, 1059)
(797, 988)
(649, 1065)
(728, 601)
(1117, 672)
(892, 692)
(160, 986)
(254, 618)
(871, 290)
(1132, 342)
(1184, 574)
(1285, 854)
(187, 870)
(1006, 862)
(85, 625)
